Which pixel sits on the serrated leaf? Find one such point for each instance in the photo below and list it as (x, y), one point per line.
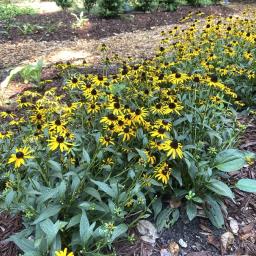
(247, 185)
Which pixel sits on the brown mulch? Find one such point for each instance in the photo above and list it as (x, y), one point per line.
(9, 225)
(135, 34)
(58, 26)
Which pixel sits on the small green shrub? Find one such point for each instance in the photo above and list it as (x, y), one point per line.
(109, 8)
(88, 4)
(64, 3)
(32, 73)
(10, 11)
(146, 5)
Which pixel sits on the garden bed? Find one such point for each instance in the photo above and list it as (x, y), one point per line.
(150, 136)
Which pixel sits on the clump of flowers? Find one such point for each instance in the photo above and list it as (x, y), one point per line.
(83, 164)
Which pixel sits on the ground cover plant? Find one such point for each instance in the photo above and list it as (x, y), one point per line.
(83, 162)
(10, 11)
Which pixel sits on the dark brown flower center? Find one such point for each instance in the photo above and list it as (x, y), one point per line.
(58, 122)
(60, 139)
(172, 105)
(19, 155)
(74, 80)
(174, 144)
(161, 130)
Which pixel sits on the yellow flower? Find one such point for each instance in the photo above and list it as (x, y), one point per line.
(106, 140)
(173, 148)
(163, 172)
(5, 134)
(160, 133)
(59, 142)
(20, 156)
(64, 253)
(127, 133)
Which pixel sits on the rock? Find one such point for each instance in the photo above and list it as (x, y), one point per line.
(182, 243)
(164, 252)
(234, 226)
(148, 231)
(227, 239)
(174, 249)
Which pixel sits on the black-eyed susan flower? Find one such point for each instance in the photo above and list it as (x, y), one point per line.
(110, 119)
(164, 123)
(139, 115)
(58, 126)
(59, 141)
(159, 133)
(127, 133)
(106, 140)
(174, 107)
(5, 135)
(173, 148)
(7, 113)
(74, 82)
(64, 253)
(19, 158)
(160, 109)
(93, 108)
(17, 121)
(163, 172)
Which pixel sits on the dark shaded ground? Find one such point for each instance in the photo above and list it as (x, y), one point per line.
(58, 26)
(8, 226)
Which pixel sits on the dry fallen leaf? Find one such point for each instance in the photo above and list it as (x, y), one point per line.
(204, 228)
(174, 248)
(227, 239)
(175, 203)
(234, 226)
(148, 231)
(213, 240)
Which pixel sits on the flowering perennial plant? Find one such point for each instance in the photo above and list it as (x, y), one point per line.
(85, 162)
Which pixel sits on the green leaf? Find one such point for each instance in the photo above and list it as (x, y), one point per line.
(49, 229)
(84, 228)
(247, 185)
(214, 213)
(105, 188)
(54, 165)
(93, 192)
(163, 219)
(48, 212)
(86, 156)
(220, 188)
(191, 210)
(118, 231)
(157, 207)
(177, 175)
(75, 220)
(24, 244)
(142, 154)
(229, 160)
